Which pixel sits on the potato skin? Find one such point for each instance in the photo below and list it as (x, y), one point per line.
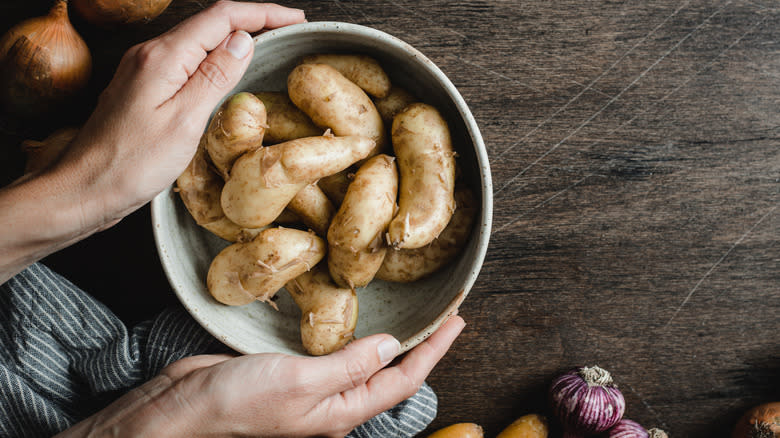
(395, 101)
(527, 426)
(407, 265)
(256, 270)
(200, 188)
(335, 186)
(329, 313)
(237, 127)
(285, 121)
(314, 208)
(459, 430)
(264, 181)
(363, 70)
(355, 244)
(333, 101)
(422, 143)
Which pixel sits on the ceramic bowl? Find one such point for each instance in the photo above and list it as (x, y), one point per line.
(410, 312)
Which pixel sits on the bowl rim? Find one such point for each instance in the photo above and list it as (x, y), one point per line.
(486, 211)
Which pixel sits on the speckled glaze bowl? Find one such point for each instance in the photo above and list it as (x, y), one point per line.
(410, 312)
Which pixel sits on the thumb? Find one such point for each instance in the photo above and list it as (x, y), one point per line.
(217, 74)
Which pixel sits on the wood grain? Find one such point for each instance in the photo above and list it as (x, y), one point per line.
(635, 150)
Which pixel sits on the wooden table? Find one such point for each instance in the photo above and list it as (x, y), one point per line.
(635, 150)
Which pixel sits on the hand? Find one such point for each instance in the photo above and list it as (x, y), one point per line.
(149, 119)
(141, 136)
(270, 395)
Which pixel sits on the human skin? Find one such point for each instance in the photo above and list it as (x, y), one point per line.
(141, 136)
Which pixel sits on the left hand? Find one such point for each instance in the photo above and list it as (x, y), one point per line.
(149, 119)
(273, 395)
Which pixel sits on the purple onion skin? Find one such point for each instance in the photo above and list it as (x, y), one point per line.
(586, 409)
(626, 428)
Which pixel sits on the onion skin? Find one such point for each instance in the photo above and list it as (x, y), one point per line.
(42, 154)
(43, 61)
(586, 401)
(762, 421)
(105, 13)
(626, 428)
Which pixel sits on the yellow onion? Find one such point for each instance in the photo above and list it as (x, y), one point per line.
(43, 61)
(109, 12)
(42, 154)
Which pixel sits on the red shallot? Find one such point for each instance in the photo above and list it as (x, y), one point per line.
(586, 400)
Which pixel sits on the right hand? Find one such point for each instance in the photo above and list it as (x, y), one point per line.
(273, 395)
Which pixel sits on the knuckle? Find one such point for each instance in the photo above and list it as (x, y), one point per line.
(221, 6)
(147, 55)
(214, 74)
(356, 371)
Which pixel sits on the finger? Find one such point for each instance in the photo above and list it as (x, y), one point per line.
(216, 75)
(182, 367)
(205, 31)
(392, 385)
(354, 364)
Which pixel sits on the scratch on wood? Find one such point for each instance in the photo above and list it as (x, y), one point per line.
(715, 265)
(658, 417)
(588, 87)
(611, 101)
(543, 203)
(343, 9)
(428, 19)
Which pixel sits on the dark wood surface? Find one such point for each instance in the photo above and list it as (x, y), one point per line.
(635, 151)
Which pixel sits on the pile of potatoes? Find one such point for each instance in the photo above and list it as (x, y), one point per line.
(320, 197)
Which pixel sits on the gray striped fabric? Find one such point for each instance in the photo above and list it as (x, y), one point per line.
(66, 356)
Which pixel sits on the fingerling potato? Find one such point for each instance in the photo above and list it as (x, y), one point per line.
(363, 70)
(200, 188)
(335, 186)
(426, 161)
(333, 101)
(407, 265)
(285, 121)
(395, 101)
(237, 127)
(459, 430)
(256, 270)
(329, 313)
(527, 426)
(313, 208)
(355, 244)
(263, 181)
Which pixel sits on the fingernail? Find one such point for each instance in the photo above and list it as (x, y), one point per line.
(239, 44)
(388, 349)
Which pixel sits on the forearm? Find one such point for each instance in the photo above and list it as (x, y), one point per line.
(45, 213)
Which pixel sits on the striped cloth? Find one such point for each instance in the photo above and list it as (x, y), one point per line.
(65, 356)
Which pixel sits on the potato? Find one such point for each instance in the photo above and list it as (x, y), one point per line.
(527, 426)
(285, 121)
(364, 71)
(355, 237)
(263, 181)
(313, 208)
(333, 101)
(426, 161)
(395, 101)
(256, 270)
(335, 186)
(287, 217)
(328, 313)
(459, 430)
(407, 265)
(200, 189)
(237, 127)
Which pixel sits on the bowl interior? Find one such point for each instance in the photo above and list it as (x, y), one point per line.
(410, 312)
